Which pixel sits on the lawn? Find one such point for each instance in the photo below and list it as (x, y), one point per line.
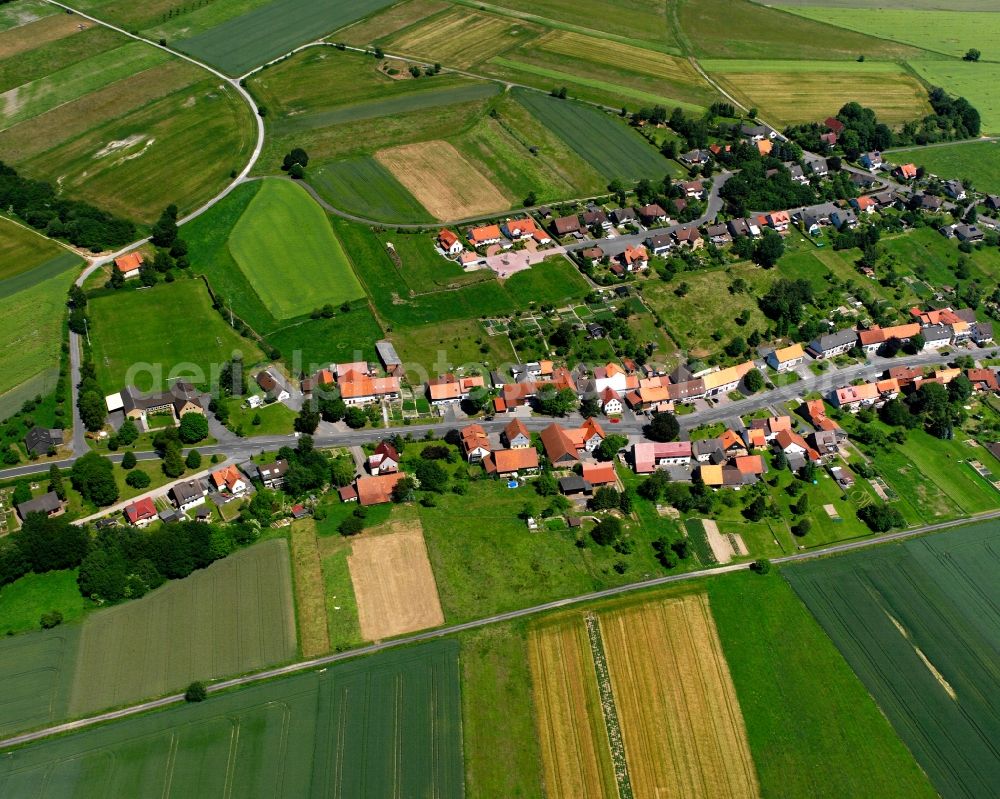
(275, 419)
(23, 13)
(285, 247)
(912, 621)
(978, 83)
(171, 330)
(795, 690)
(950, 32)
(362, 186)
(37, 671)
(978, 162)
(23, 601)
(235, 616)
(943, 463)
(388, 725)
(245, 41)
(609, 145)
(502, 756)
(445, 346)
(752, 31)
(422, 268)
(791, 92)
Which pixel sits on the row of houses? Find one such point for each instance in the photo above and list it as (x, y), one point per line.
(358, 383)
(938, 328)
(904, 379)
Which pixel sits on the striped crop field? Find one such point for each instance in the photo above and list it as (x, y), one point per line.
(678, 709)
(609, 145)
(575, 753)
(918, 622)
(789, 92)
(233, 617)
(37, 671)
(618, 54)
(387, 725)
(461, 38)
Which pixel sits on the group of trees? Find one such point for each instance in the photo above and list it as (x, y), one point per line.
(953, 118)
(295, 163)
(79, 223)
(936, 408)
(785, 302)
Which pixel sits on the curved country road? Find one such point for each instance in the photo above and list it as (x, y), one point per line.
(306, 665)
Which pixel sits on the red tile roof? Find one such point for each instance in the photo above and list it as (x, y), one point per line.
(140, 510)
(129, 262)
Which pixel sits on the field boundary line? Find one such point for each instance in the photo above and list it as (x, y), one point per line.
(326, 660)
(609, 710)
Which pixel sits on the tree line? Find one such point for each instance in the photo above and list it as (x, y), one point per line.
(80, 223)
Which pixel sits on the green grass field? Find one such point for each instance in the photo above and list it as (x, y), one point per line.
(502, 756)
(243, 42)
(978, 83)
(362, 186)
(37, 672)
(795, 690)
(743, 29)
(916, 624)
(116, 121)
(32, 333)
(233, 617)
(170, 326)
(604, 142)
(388, 725)
(976, 161)
(948, 32)
(319, 341)
(23, 13)
(790, 92)
(284, 245)
(23, 601)
(23, 250)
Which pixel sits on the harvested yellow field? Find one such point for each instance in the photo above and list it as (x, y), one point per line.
(310, 598)
(35, 34)
(393, 581)
(680, 719)
(462, 38)
(388, 22)
(447, 185)
(619, 56)
(788, 95)
(571, 732)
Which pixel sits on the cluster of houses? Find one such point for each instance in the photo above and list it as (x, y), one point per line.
(489, 239)
(358, 383)
(191, 498)
(937, 327)
(906, 379)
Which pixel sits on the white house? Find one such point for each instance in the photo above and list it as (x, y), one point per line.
(611, 403)
(786, 358)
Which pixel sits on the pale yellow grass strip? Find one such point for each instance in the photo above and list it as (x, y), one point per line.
(683, 730)
(310, 600)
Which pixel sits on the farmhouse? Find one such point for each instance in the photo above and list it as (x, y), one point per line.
(48, 503)
(357, 387)
(566, 225)
(634, 259)
(688, 237)
(786, 358)
(770, 427)
(815, 412)
(651, 214)
(447, 389)
(624, 216)
(377, 490)
(230, 480)
(475, 443)
(851, 398)
(764, 146)
(872, 160)
(592, 255)
(384, 460)
(710, 384)
(864, 204)
(128, 265)
(181, 398)
(693, 189)
(611, 402)
(141, 512)
(870, 340)
(483, 236)
(954, 189)
(188, 494)
(660, 243)
(507, 462)
(615, 377)
(598, 218)
(518, 229)
(448, 242)
(42, 440)
(795, 448)
(649, 456)
(600, 474)
(272, 385)
(834, 124)
(905, 172)
(272, 475)
(830, 345)
(565, 446)
(516, 435)
(983, 379)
